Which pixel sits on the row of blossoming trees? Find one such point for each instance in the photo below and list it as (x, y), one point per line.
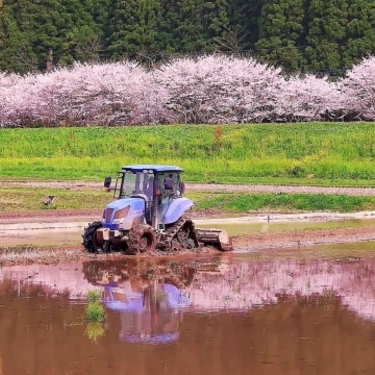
(210, 89)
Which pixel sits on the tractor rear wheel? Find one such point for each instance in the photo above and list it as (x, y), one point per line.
(89, 239)
(142, 238)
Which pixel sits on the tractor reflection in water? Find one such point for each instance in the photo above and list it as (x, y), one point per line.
(150, 303)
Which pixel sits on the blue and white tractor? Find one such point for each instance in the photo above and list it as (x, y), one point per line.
(149, 213)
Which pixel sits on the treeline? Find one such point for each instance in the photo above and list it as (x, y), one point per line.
(325, 36)
(212, 89)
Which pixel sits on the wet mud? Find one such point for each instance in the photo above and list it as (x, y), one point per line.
(295, 243)
(276, 234)
(213, 315)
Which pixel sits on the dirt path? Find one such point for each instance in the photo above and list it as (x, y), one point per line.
(215, 188)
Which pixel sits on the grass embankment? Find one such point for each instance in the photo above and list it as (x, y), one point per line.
(21, 199)
(339, 154)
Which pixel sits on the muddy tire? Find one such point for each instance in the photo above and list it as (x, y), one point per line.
(142, 238)
(89, 241)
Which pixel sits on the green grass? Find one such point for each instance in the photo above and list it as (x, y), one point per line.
(21, 199)
(95, 312)
(340, 154)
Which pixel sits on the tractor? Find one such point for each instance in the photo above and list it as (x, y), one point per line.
(149, 213)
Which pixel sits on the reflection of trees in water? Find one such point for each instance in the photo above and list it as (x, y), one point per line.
(25, 288)
(213, 284)
(307, 331)
(60, 279)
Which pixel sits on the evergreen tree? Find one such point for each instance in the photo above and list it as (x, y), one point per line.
(244, 16)
(79, 36)
(215, 18)
(190, 28)
(327, 22)
(133, 27)
(360, 31)
(281, 33)
(167, 38)
(28, 31)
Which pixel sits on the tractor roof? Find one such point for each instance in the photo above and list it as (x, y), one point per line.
(152, 167)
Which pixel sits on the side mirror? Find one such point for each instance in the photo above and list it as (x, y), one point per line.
(168, 184)
(107, 182)
(182, 187)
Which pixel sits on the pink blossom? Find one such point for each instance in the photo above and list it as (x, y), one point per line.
(208, 89)
(359, 87)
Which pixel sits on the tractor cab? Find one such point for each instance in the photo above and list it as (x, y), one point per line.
(147, 181)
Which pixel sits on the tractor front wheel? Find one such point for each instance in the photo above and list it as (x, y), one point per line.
(142, 238)
(89, 239)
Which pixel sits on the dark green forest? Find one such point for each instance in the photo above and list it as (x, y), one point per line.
(326, 36)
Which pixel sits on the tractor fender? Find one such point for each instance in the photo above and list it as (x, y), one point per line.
(176, 209)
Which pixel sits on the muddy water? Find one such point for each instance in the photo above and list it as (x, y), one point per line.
(12, 236)
(221, 315)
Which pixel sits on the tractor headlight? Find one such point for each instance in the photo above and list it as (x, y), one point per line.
(120, 215)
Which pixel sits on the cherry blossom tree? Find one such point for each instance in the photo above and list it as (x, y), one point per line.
(219, 89)
(359, 87)
(103, 94)
(16, 107)
(308, 98)
(209, 89)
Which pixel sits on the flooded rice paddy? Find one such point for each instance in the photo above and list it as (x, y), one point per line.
(226, 314)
